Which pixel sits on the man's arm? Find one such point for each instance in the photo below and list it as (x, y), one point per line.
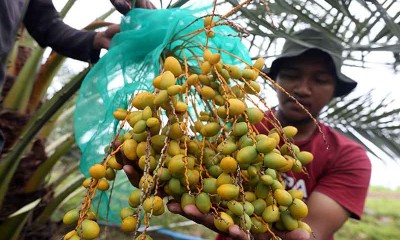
(341, 191)
(47, 28)
(325, 215)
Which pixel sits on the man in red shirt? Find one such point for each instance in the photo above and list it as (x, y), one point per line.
(338, 178)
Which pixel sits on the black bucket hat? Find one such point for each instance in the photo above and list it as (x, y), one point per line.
(312, 39)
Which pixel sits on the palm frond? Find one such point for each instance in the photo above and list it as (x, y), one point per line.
(374, 124)
(363, 27)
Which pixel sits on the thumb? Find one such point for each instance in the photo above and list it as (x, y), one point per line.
(112, 30)
(103, 39)
(132, 175)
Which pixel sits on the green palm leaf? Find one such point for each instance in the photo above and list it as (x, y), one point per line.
(375, 126)
(376, 29)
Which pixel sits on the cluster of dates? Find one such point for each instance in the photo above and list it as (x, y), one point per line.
(194, 138)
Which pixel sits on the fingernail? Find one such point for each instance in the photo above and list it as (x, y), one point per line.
(234, 229)
(127, 168)
(189, 208)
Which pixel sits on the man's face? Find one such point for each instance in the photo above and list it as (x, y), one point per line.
(310, 80)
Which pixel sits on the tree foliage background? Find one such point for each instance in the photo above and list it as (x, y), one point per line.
(36, 109)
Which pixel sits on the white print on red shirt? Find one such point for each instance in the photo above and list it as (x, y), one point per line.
(291, 183)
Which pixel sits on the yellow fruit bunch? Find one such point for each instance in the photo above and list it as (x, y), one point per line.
(196, 139)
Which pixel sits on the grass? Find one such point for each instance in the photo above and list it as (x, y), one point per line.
(381, 219)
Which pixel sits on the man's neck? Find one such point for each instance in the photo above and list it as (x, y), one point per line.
(305, 127)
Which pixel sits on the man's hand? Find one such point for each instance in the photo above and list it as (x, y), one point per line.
(144, 4)
(103, 39)
(134, 173)
(123, 6)
(234, 232)
(131, 168)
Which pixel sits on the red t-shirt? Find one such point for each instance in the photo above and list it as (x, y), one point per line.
(341, 171)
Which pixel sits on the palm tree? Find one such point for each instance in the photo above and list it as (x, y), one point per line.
(376, 30)
(364, 28)
(27, 196)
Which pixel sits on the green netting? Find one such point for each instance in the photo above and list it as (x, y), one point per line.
(129, 66)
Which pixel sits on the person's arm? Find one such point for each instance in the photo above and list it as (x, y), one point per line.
(46, 26)
(340, 193)
(325, 216)
(191, 212)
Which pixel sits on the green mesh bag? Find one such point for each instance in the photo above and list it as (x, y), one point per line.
(129, 67)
